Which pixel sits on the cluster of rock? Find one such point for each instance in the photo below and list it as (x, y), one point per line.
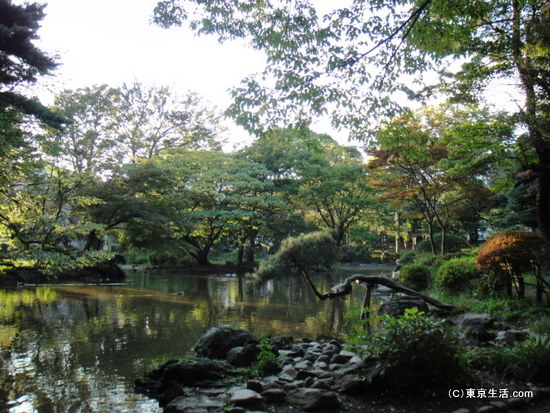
(309, 375)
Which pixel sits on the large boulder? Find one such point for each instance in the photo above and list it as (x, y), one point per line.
(194, 372)
(476, 328)
(217, 341)
(397, 308)
(314, 399)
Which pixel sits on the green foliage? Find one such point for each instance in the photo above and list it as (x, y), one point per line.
(526, 360)
(509, 310)
(415, 276)
(416, 348)
(541, 326)
(456, 274)
(22, 62)
(317, 249)
(355, 253)
(408, 257)
(453, 243)
(266, 353)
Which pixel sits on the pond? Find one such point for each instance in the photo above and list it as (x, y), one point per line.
(79, 348)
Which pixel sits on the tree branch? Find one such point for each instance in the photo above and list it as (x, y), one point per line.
(345, 288)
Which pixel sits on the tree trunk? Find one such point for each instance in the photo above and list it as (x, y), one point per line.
(93, 242)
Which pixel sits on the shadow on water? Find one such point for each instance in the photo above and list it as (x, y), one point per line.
(78, 348)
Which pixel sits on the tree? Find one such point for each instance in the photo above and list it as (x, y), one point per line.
(440, 159)
(355, 59)
(41, 221)
(88, 143)
(152, 119)
(335, 186)
(21, 62)
(113, 126)
(193, 199)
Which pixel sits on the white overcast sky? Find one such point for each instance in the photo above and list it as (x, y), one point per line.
(113, 41)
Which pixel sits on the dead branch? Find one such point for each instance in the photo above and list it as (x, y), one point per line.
(345, 288)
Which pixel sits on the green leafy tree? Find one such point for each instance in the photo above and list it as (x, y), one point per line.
(113, 126)
(435, 161)
(197, 198)
(41, 223)
(152, 119)
(21, 62)
(356, 58)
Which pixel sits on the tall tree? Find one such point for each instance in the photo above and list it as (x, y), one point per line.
(150, 119)
(113, 126)
(354, 59)
(439, 160)
(21, 62)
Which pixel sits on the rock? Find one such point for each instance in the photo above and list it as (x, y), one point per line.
(281, 342)
(397, 308)
(352, 384)
(304, 374)
(323, 359)
(313, 399)
(476, 327)
(172, 390)
(303, 365)
(194, 372)
(511, 336)
(320, 365)
(255, 385)
(183, 404)
(243, 356)
(235, 410)
(217, 341)
(330, 349)
(340, 359)
(246, 398)
(288, 373)
(274, 395)
(268, 367)
(498, 405)
(322, 384)
(297, 352)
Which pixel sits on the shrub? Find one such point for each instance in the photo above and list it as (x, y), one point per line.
(508, 254)
(316, 249)
(456, 274)
(541, 326)
(408, 257)
(453, 243)
(415, 276)
(419, 349)
(525, 360)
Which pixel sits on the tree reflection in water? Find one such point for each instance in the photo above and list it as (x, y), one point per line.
(68, 348)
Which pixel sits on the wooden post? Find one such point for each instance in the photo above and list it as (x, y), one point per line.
(365, 311)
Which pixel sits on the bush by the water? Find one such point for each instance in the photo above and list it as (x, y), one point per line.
(407, 257)
(415, 276)
(313, 250)
(419, 349)
(453, 243)
(456, 275)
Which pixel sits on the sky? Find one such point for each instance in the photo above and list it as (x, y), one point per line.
(114, 41)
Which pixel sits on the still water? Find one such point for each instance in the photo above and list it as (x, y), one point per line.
(79, 348)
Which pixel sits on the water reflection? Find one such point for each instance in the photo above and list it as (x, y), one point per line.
(78, 348)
